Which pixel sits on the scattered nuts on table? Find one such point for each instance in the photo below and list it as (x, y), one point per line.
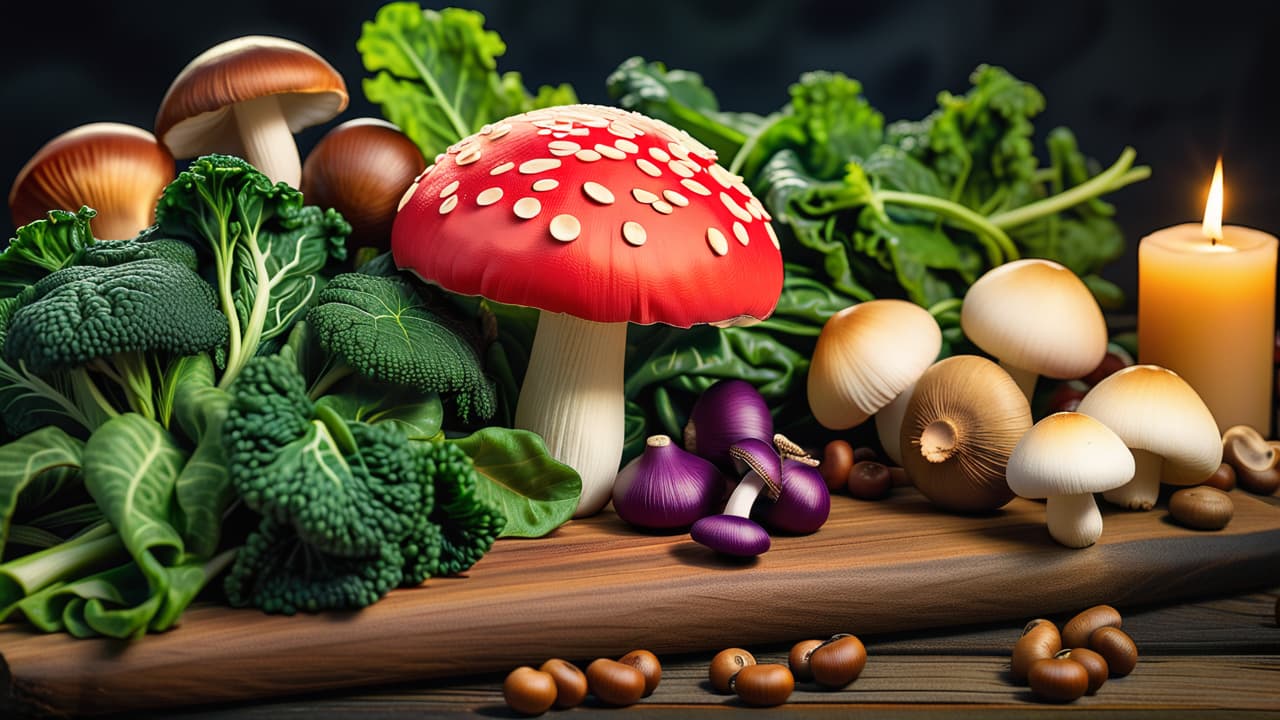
(1078, 629)
(1093, 663)
(1224, 478)
(1040, 640)
(837, 460)
(870, 480)
(1201, 508)
(798, 659)
(765, 685)
(838, 661)
(614, 683)
(726, 664)
(571, 683)
(1256, 462)
(1058, 679)
(1117, 648)
(648, 665)
(529, 691)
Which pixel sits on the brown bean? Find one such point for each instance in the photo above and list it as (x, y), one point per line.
(1058, 679)
(1078, 629)
(1119, 650)
(648, 665)
(1039, 641)
(837, 459)
(726, 664)
(838, 661)
(869, 480)
(571, 683)
(798, 659)
(529, 691)
(765, 685)
(1201, 508)
(614, 683)
(1224, 478)
(1093, 663)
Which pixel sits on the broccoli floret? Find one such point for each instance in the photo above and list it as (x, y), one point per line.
(116, 320)
(379, 328)
(347, 507)
(145, 246)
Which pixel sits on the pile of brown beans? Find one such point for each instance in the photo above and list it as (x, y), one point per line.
(561, 684)
(1063, 666)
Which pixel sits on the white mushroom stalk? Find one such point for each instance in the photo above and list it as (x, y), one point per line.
(573, 397)
(1073, 520)
(1143, 490)
(268, 142)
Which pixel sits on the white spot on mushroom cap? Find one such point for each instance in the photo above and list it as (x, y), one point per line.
(740, 232)
(587, 155)
(562, 148)
(597, 192)
(733, 207)
(773, 237)
(678, 150)
(643, 196)
(537, 165)
(545, 184)
(498, 170)
(648, 168)
(633, 232)
(489, 196)
(565, 228)
(467, 156)
(662, 207)
(659, 154)
(610, 152)
(626, 146)
(449, 189)
(722, 176)
(527, 208)
(499, 131)
(695, 187)
(680, 169)
(675, 198)
(449, 203)
(716, 239)
(404, 199)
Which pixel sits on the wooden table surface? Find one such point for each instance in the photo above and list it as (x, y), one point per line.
(1216, 657)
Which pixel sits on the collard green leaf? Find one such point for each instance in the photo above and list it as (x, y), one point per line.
(28, 461)
(533, 491)
(42, 247)
(418, 415)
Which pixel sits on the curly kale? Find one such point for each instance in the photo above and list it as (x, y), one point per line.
(347, 507)
(381, 329)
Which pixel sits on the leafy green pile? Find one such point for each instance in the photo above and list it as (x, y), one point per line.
(170, 414)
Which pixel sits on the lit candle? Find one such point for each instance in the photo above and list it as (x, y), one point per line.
(1206, 310)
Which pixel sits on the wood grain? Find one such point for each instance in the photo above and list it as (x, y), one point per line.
(599, 589)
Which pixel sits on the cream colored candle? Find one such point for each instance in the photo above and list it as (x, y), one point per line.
(1206, 310)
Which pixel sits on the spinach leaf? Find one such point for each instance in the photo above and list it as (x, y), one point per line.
(533, 491)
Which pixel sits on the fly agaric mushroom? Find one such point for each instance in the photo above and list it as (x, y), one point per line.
(866, 362)
(247, 97)
(118, 170)
(964, 418)
(599, 217)
(361, 169)
(1066, 458)
(1036, 318)
(1173, 436)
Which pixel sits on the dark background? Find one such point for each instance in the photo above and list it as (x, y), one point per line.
(1181, 82)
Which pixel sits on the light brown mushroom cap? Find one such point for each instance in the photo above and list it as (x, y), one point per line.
(1036, 315)
(866, 356)
(118, 170)
(1153, 409)
(195, 117)
(1068, 453)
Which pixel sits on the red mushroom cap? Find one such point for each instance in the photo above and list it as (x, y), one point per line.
(595, 212)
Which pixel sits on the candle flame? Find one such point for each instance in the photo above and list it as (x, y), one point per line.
(1213, 208)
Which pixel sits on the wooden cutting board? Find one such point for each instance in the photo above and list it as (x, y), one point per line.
(597, 588)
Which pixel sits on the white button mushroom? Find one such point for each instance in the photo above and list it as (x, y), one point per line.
(1171, 432)
(1066, 458)
(1037, 318)
(866, 362)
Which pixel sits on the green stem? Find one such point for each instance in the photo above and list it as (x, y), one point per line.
(94, 549)
(326, 381)
(958, 213)
(944, 306)
(1113, 178)
(430, 81)
(740, 157)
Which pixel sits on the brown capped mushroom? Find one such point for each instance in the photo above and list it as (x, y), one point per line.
(1256, 462)
(247, 97)
(118, 170)
(962, 423)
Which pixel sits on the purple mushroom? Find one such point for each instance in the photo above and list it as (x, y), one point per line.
(734, 532)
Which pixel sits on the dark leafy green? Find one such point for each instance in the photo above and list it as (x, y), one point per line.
(535, 493)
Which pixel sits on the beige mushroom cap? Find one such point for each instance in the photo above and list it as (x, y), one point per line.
(195, 115)
(1153, 409)
(1068, 453)
(1036, 315)
(866, 356)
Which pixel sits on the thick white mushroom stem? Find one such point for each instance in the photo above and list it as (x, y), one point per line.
(268, 142)
(744, 496)
(1073, 520)
(889, 424)
(572, 397)
(1141, 492)
(1025, 378)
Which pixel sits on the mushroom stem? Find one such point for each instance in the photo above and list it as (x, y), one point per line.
(938, 441)
(268, 142)
(889, 424)
(744, 496)
(573, 397)
(1073, 520)
(1141, 492)
(1025, 378)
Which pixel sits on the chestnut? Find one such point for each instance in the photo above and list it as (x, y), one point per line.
(614, 683)
(726, 664)
(837, 460)
(1078, 629)
(838, 661)
(1040, 640)
(648, 665)
(1224, 478)
(1058, 679)
(571, 684)
(529, 691)
(869, 480)
(1201, 508)
(1119, 650)
(764, 685)
(1256, 462)
(1093, 663)
(798, 659)
(863, 452)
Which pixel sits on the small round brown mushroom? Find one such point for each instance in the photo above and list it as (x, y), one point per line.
(362, 168)
(118, 170)
(247, 97)
(1256, 461)
(1201, 508)
(961, 425)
